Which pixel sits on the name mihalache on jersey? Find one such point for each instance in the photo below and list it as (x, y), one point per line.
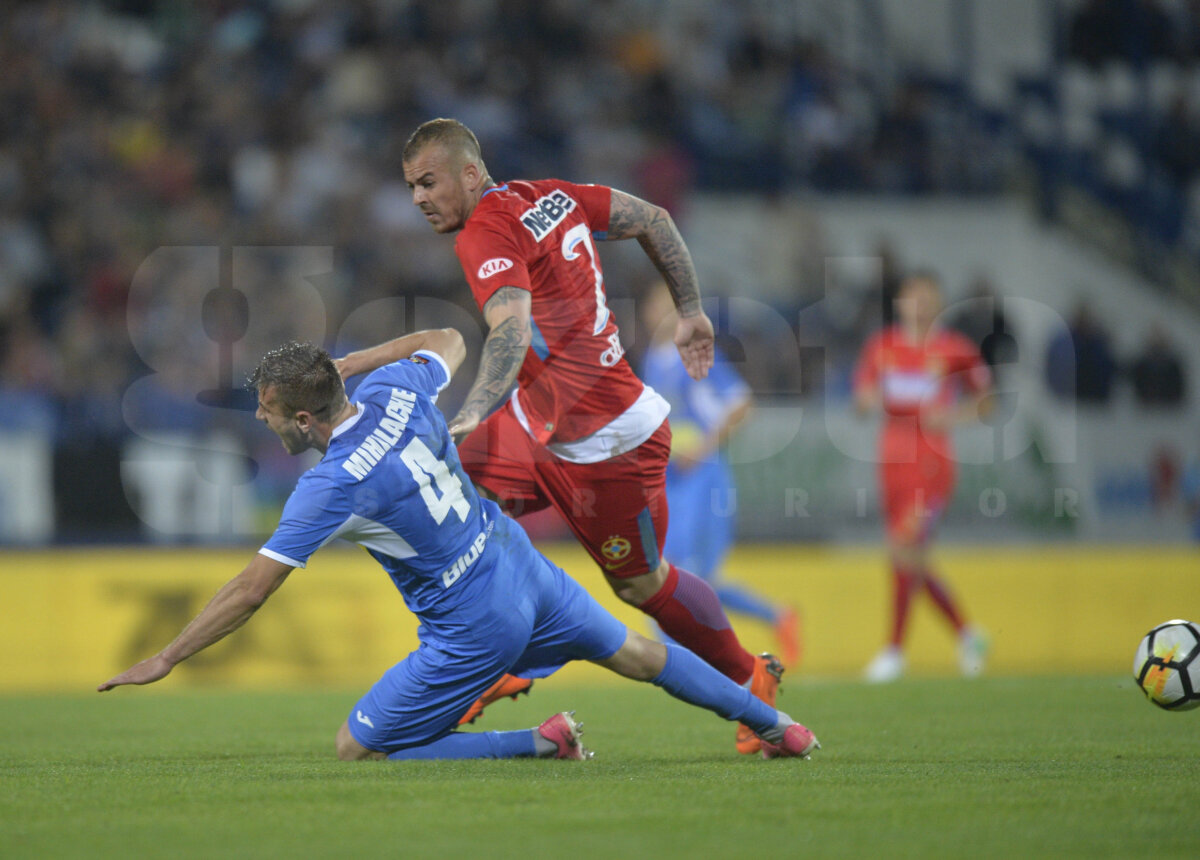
(381, 440)
(547, 213)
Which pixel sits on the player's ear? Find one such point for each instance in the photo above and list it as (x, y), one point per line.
(471, 175)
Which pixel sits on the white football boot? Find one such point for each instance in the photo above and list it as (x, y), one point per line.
(972, 652)
(888, 665)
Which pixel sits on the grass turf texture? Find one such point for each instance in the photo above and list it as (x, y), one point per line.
(922, 768)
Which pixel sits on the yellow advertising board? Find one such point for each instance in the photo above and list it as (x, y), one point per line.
(73, 618)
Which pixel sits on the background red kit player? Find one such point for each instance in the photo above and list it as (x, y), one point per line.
(924, 380)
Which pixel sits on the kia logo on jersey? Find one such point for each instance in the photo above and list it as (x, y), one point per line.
(494, 265)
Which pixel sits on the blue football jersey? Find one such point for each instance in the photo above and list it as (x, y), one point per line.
(391, 481)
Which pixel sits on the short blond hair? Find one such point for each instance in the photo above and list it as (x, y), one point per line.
(449, 133)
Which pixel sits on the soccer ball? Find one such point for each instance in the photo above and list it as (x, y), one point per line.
(1167, 665)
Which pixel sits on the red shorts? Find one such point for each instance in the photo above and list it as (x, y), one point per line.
(617, 507)
(915, 495)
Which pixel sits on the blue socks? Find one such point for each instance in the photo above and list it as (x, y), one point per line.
(688, 678)
(473, 745)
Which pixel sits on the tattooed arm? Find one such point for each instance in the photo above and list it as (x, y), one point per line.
(510, 328)
(631, 217)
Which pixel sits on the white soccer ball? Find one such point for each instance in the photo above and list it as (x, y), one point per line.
(1167, 665)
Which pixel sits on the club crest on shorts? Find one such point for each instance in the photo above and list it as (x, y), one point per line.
(616, 549)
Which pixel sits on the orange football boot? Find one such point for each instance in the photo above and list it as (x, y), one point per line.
(508, 685)
(764, 683)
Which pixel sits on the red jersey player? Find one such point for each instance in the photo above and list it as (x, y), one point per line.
(924, 380)
(581, 432)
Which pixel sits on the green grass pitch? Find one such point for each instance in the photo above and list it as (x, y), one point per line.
(922, 768)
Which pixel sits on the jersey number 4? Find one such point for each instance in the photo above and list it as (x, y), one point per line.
(428, 471)
(572, 239)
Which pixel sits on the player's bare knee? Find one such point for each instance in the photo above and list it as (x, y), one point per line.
(345, 751)
(626, 591)
(636, 590)
(348, 749)
(639, 659)
(647, 656)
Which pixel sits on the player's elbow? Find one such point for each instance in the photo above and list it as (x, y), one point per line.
(659, 217)
(451, 347)
(514, 334)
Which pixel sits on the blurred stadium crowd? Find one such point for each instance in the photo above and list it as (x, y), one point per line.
(134, 126)
(1118, 118)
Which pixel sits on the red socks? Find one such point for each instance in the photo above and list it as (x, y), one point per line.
(903, 583)
(689, 611)
(944, 600)
(906, 585)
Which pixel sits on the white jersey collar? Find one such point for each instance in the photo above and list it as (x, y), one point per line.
(348, 423)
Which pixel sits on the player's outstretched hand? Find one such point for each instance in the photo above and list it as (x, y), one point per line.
(145, 672)
(694, 340)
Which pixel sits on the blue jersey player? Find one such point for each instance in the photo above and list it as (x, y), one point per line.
(701, 493)
(488, 602)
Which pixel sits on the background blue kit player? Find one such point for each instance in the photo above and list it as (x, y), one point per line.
(700, 486)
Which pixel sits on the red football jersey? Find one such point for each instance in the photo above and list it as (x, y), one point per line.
(538, 236)
(913, 376)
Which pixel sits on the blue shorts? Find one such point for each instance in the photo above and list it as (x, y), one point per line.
(530, 624)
